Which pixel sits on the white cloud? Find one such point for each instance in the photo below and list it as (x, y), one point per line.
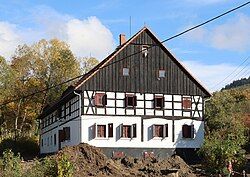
(215, 76)
(232, 35)
(89, 36)
(9, 39)
(85, 36)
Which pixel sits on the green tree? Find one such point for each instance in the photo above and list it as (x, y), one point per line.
(88, 64)
(40, 66)
(225, 130)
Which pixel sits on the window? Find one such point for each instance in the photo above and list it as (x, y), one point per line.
(54, 139)
(100, 99)
(128, 131)
(130, 101)
(125, 71)
(42, 142)
(145, 50)
(186, 103)
(161, 73)
(160, 131)
(59, 113)
(101, 131)
(61, 135)
(188, 131)
(159, 102)
(66, 133)
(110, 130)
(51, 140)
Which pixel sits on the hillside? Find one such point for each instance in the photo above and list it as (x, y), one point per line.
(243, 82)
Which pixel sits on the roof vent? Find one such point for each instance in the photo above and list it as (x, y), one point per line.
(122, 39)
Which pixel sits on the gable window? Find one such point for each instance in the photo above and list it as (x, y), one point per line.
(101, 131)
(160, 131)
(159, 102)
(188, 131)
(186, 103)
(162, 73)
(100, 99)
(66, 133)
(144, 50)
(128, 131)
(125, 71)
(130, 101)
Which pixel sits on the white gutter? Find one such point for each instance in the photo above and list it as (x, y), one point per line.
(80, 114)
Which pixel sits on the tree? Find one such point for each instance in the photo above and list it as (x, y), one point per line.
(88, 64)
(34, 68)
(225, 130)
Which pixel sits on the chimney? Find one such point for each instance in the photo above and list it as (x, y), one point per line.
(122, 39)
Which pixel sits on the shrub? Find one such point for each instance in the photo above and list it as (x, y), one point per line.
(10, 164)
(26, 146)
(65, 167)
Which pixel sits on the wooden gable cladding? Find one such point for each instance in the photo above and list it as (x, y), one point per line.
(144, 71)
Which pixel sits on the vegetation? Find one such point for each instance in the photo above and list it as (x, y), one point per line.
(40, 66)
(238, 83)
(225, 129)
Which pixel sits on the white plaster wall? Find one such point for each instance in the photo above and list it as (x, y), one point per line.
(88, 132)
(148, 141)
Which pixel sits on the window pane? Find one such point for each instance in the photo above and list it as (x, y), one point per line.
(162, 73)
(125, 71)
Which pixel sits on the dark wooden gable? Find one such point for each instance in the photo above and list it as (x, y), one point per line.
(143, 74)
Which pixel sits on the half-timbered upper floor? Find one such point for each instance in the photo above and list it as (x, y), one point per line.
(140, 78)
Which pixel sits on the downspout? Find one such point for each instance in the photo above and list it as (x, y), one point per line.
(80, 113)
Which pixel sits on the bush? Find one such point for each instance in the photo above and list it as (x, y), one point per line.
(65, 168)
(10, 165)
(26, 146)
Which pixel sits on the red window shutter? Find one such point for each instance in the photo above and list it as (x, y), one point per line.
(186, 103)
(104, 100)
(134, 131)
(135, 101)
(165, 132)
(192, 131)
(110, 130)
(126, 102)
(94, 130)
(185, 131)
(61, 135)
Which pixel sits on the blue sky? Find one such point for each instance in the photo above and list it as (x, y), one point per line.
(92, 28)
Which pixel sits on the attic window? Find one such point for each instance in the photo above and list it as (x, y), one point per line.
(130, 101)
(162, 73)
(125, 71)
(144, 51)
(100, 99)
(159, 102)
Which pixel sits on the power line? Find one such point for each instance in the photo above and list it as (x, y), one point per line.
(236, 76)
(168, 39)
(185, 31)
(230, 74)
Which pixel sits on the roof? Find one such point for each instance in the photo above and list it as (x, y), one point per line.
(116, 52)
(109, 58)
